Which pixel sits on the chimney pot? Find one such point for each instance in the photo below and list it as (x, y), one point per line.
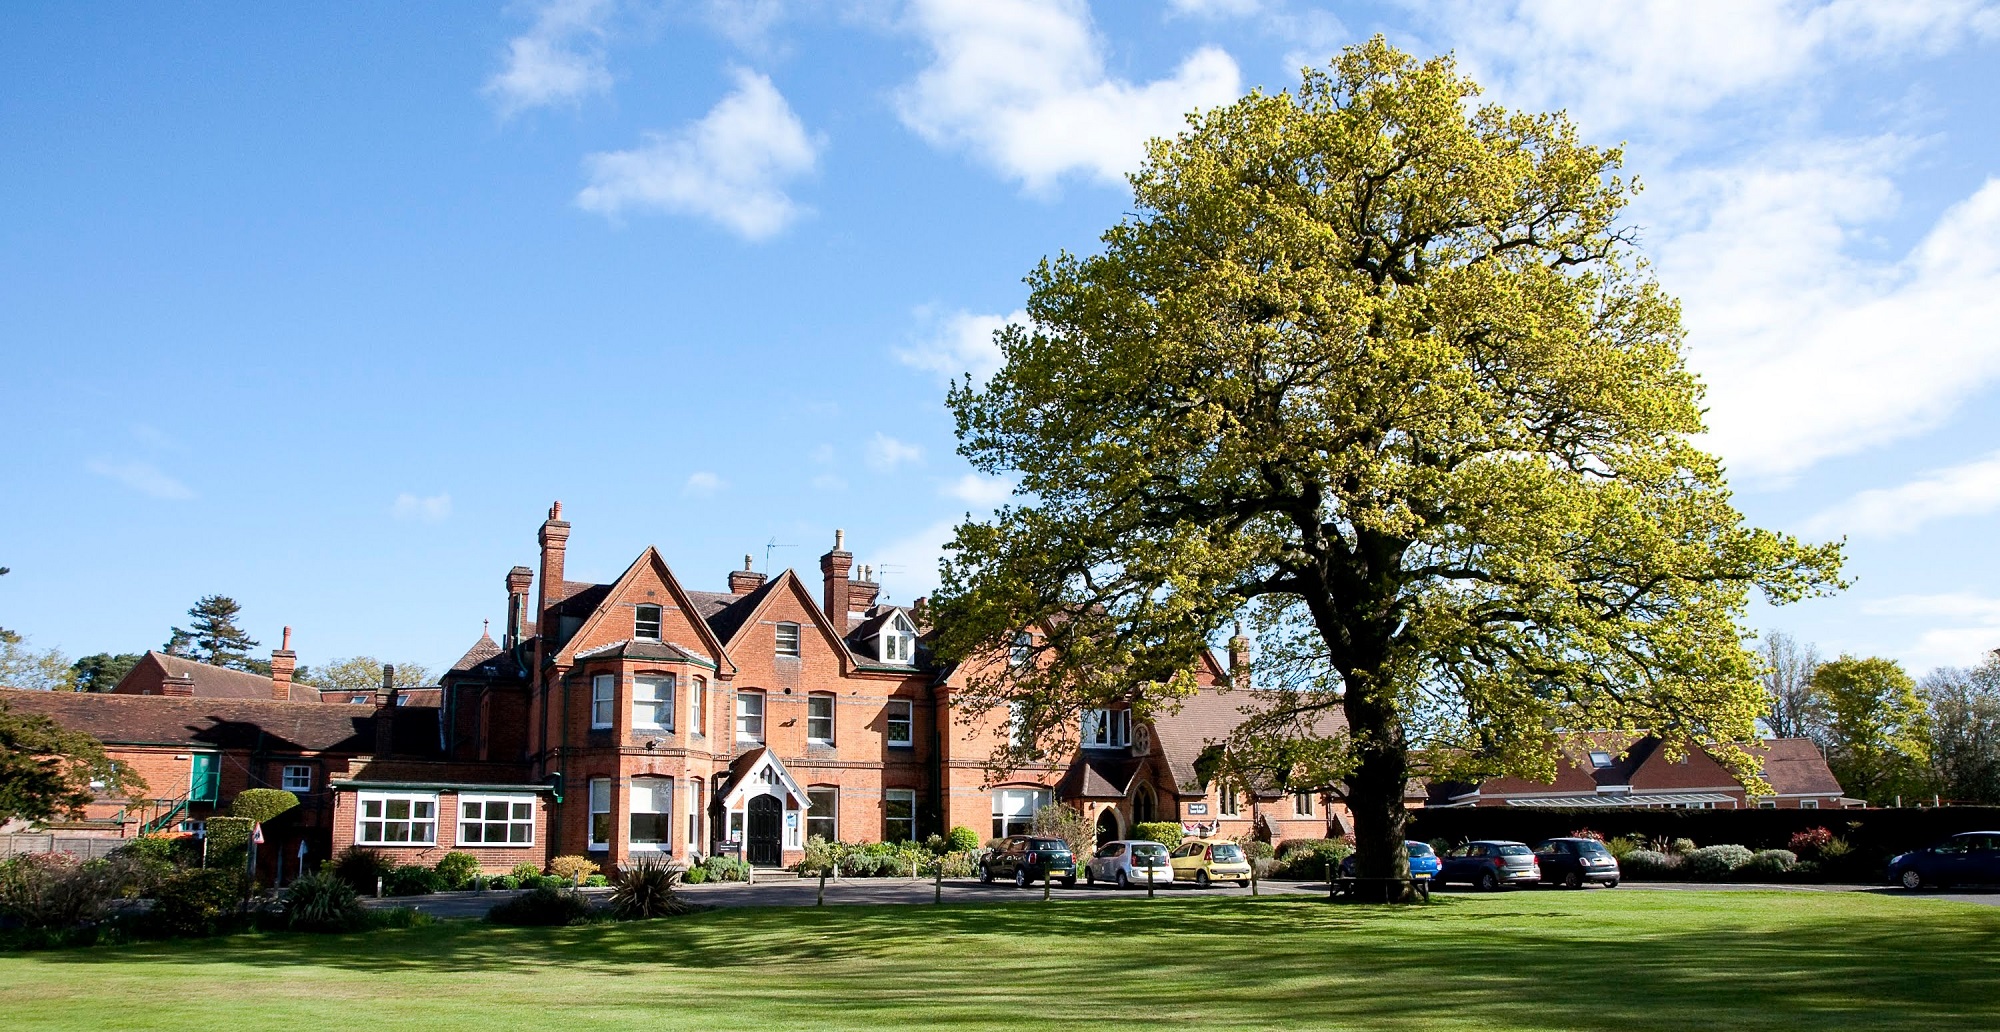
(746, 563)
(839, 540)
(287, 646)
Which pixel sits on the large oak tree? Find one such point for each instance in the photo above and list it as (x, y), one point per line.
(1376, 369)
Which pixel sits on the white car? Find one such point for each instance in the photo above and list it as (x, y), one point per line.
(1129, 862)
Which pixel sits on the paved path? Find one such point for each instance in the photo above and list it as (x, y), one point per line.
(787, 891)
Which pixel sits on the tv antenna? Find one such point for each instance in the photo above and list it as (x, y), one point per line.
(769, 547)
(882, 568)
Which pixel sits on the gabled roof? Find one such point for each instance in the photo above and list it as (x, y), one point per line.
(727, 614)
(865, 639)
(595, 597)
(1795, 766)
(210, 682)
(267, 724)
(1099, 774)
(481, 651)
(746, 765)
(1207, 718)
(643, 649)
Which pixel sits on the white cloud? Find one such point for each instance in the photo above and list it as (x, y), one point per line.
(980, 491)
(1214, 8)
(731, 166)
(913, 560)
(431, 509)
(962, 343)
(1971, 627)
(702, 484)
(1022, 85)
(1617, 64)
(886, 453)
(746, 23)
(142, 477)
(1969, 489)
(560, 60)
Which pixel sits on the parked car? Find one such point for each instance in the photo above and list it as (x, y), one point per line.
(1207, 861)
(1129, 862)
(1972, 856)
(1030, 858)
(1576, 862)
(1490, 864)
(1423, 861)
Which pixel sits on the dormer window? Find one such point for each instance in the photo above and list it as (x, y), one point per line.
(788, 639)
(1600, 759)
(899, 640)
(1107, 728)
(646, 623)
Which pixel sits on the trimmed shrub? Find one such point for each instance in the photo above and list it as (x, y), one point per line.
(859, 865)
(821, 855)
(524, 871)
(1769, 863)
(196, 902)
(544, 907)
(1681, 846)
(1648, 865)
(228, 842)
(413, 880)
(726, 868)
(258, 805)
(572, 868)
(157, 850)
(1166, 833)
(646, 890)
(503, 883)
(1309, 858)
(596, 881)
(457, 869)
(55, 890)
(360, 867)
(695, 875)
(962, 840)
(321, 902)
(1257, 849)
(1713, 863)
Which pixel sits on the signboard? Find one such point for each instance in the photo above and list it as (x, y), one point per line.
(1197, 809)
(792, 820)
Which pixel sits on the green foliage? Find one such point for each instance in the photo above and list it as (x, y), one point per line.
(1068, 823)
(101, 672)
(1964, 712)
(1620, 846)
(1879, 731)
(645, 889)
(503, 882)
(46, 769)
(1254, 848)
(962, 840)
(321, 902)
(361, 868)
(258, 805)
(55, 890)
(524, 870)
(1310, 858)
(212, 635)
(413, 880)
(695, 875)
(1377, 369)
(456, 869)
(1769, 863)
(1648, 865)
(155, 849)
(572, 868)
(1166, 833)
(1680, 846)
(542, 907)
(821, 856)
(726, 868)
(228, 842)
(362, 675)
(23, 667)
(1713, 863)
(198, 901)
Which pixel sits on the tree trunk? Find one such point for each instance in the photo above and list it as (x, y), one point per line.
(1375, 798)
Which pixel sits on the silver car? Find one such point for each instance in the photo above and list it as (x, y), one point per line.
(1129, 862)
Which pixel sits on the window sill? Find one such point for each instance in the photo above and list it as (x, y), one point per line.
(902, 745)
(597, 849)
(494, 845)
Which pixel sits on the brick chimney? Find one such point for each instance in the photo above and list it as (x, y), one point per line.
(555, 542)
(861, 591)
(745, 580)
(283, 662)
(177, 684)
(1239, 659)
(519, 580)
(835, 566)
(385, 715)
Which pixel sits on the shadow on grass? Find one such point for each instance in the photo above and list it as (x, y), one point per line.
(1593, 960)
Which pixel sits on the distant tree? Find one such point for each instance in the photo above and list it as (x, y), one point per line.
(361, 674)
(23, 667)
(46, 770)
(212, 636)
(1878, 732)
(1964, 710)
(102, 671)
(1060, 820)
(1788, 671)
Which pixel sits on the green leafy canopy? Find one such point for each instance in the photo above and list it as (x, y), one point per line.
(1376, 369)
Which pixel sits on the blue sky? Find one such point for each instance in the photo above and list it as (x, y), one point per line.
(320, 308)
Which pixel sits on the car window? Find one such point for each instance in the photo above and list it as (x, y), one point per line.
(1477, 851)
(1515, 851)
(1110, 851)
(1418, 848)
(1545, 848)
(1592, 849)
(1149, 852)
(1225, 852)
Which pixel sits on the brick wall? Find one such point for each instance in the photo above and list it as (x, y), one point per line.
(492, 859)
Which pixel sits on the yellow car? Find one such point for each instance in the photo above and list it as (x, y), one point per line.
(1207, 861)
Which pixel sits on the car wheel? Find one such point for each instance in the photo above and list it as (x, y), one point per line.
(1243, 883)
(1124, 880)
(985, 875)
(1612, 884)
(1912, 879)
(1488, 882)
(1572, 880)
(1089, 876)
(1201, 880)
(1020, 877)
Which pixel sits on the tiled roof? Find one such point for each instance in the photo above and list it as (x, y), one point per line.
(1097, 774)
(642, 649)
(213, 682)
(481, 651)
(1794, 766)
(726, 613)
(1207, 717)
(223, 723)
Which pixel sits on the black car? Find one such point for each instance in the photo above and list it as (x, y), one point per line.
(1490, 864)
(1576, 862)
(1030, 858)
(1971, 857)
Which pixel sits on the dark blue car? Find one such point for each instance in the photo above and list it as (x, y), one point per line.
(1973, 856)
(1423, 862)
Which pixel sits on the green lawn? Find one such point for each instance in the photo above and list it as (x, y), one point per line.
(1542, 960)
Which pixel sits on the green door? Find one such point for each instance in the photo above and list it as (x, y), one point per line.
(205, 781)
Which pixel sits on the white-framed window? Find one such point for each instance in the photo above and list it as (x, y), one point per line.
(697, 803)
(749, 716)
(819, 718)
(1302, 804)
(1014, 810)
(603, 695)
(1023, 651)
(652, 815)
(496, 820)
(1767, 804)
(1226, 798)
(1808, 804)
(788, 639)
(899, 640)
(396, 819)
(600, 813)
(653, 703)
(823, 812)
(1107, 728)
(646, 622)
(297, 777)
(361, 700)
(902, 732)
(899, 815)
(700, 692)
(1601, 759)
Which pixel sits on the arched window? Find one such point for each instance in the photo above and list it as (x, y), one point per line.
(1142, 804)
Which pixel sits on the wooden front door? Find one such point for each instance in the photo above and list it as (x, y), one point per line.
(764, 840)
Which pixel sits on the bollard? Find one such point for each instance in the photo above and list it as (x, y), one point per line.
(1253, 877)
(821, 901)
(1329, 880)
(1047, 880)
(378, 886)
(1149, 880)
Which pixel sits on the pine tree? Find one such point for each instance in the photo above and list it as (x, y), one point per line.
(213, 637)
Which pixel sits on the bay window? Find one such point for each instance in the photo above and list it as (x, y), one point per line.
(603, 695)
(652, 812)
(600, 813)
(1014, 810)
(653, 703)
